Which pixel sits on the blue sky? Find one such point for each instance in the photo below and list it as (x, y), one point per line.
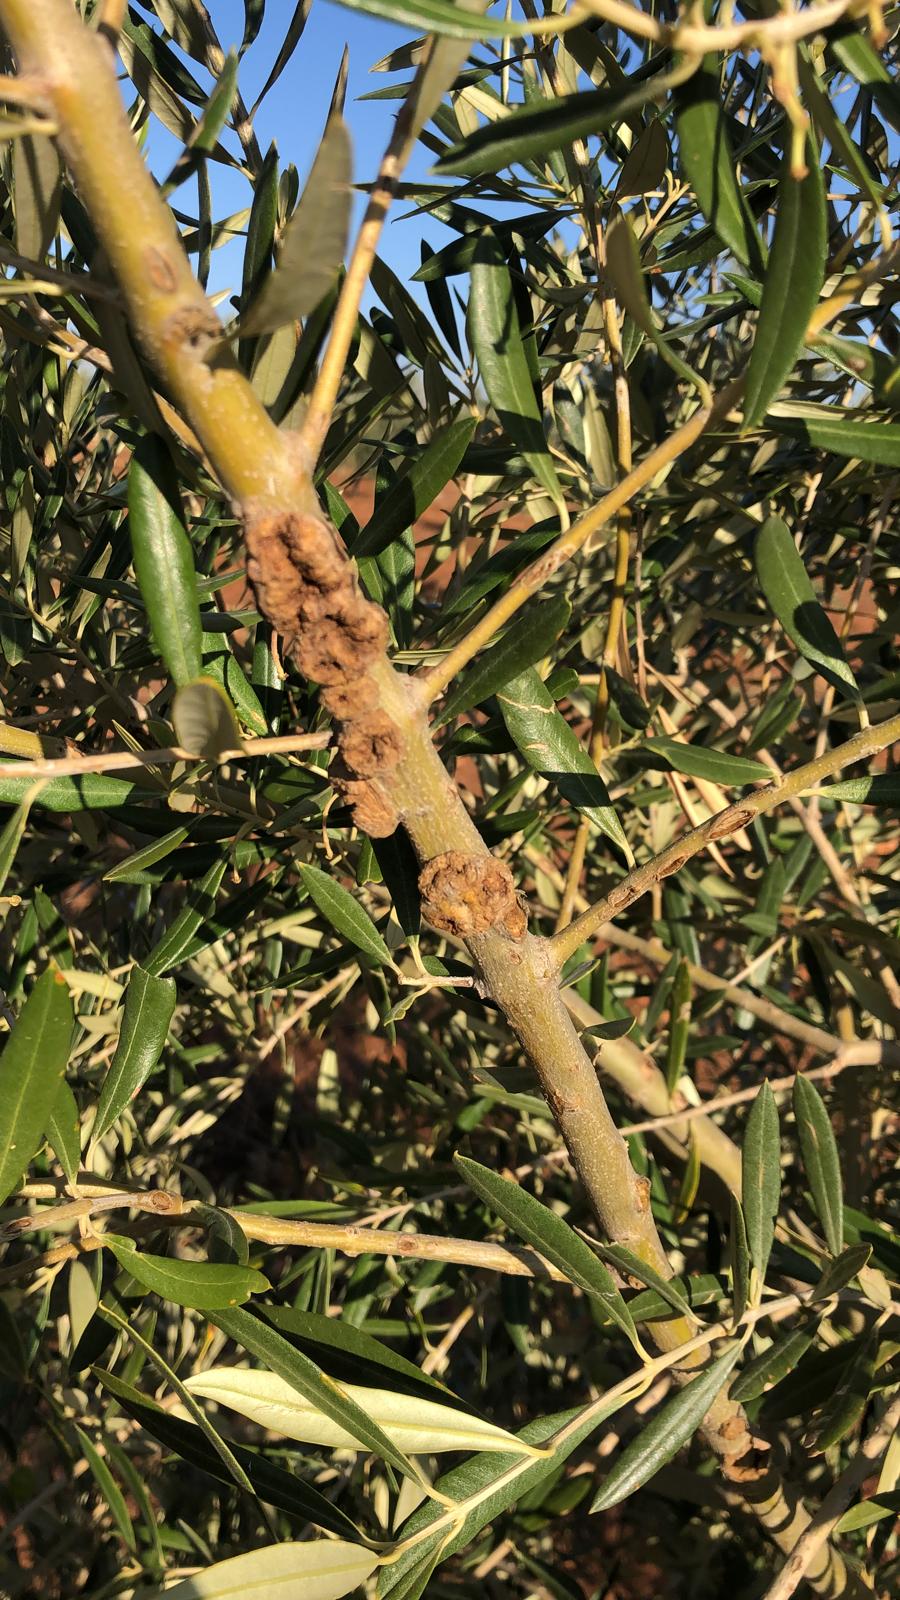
(294, 111)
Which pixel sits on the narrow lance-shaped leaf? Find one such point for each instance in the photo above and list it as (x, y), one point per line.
(552, 125)
(270, 1482)
(519, 648)
(312, 1384)
(740, 1260)
(679, 1025)
(414, 1424)
(794, 274)
(171, 948)
(623, 262)
(700, 761)
(706, 155)
(671, 1428)
(149, 1004)
(92, 792)
(821, 1160)
(761, 1176)
(417, 489)
(108, 1488)
(785, 583)
(201, 1285)
(774, 1363)
(31, 1068)
(314, 241)
(545, 740)
(633, 1267)
(345, 914)
(64, 1131)
(548, 1233)
(164, 560)
(875, 441)
(496, 338)
(310, 1569)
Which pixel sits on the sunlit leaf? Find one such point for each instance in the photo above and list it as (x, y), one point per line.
(673, 1425)
(519, 648)
(785, 583)
(821, 1160)
(345, 914)
(416, 1425)
(548, 1233)
(149, 1006)
(794, 274)
(547, 743)
(164, 560)
(761, 1176)
(304, 275)
(204, 720)
(496, 337)
(311, 1569)
(202, 1285)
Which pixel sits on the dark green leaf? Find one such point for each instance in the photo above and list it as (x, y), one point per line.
(411, 495)
(496, 338)
(820, 1158)
(149, 1005)
(699, 761)
(739, 1252)
(631, 1266)
(519, 648)
(537, 130)
(345, 914)
(842, 1270)
(843, 433)
(177, 939)
(679, 1025)
(303, 276)
(93, 792)
(164, 560)
(548, 1233)
(794, 274)
(773, 1365)
(108, 1488)
(288, 45)
(64, 1131)
(761, 1176)
(545, 740)
(31, 1069)
(623, 261)
(200, 1285)
(707, 157)
(784, 581)
(671, 1428)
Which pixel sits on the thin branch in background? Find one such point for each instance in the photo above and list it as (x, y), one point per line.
(868, 742)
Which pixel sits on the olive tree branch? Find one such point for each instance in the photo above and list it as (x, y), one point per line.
(434, 680)
(325, 390)
(870, 741)
(397, 774)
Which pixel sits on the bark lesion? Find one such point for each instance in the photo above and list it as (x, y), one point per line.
(307, 587)
(470, 894)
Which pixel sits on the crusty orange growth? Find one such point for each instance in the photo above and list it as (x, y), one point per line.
(465, 894)
(308, 589)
